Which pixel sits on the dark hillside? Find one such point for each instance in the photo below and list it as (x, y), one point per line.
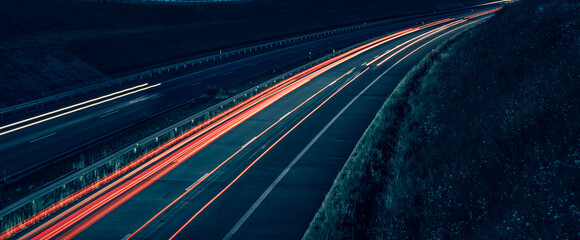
(480, 141)
(118, 39)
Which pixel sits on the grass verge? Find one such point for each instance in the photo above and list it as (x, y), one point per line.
(480, 140)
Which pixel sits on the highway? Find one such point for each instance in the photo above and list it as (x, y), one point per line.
(24, 146)
(261, 169)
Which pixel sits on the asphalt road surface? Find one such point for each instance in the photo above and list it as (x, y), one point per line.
(262, 171)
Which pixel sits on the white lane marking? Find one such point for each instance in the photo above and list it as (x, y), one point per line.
(109, 113)
(294, 161)
(40, 138)
(139, 99)
(364, 64)
(228, 73)
(126, 236)
(254, 64)
(297, 158)
(75, 105)
(196, 83)
(193, 184)
(156, 96)
(78, 109)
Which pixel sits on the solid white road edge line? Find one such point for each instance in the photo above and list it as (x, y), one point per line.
(256, 204)
(297, 158)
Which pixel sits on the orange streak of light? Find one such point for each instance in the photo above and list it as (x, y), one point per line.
(37, 217)
(262, 155)
(230, 157)
(180, 139)
(148, 177)
(73, 219)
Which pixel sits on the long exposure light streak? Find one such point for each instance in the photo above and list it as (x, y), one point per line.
(135, 177)
(215, 120)
(263, 154)
(179, 141)
(78, 109)
(310, 74)
(150, 180)
(233, 155)
(150, 175)
(291, 129)
(71, 220)
(172, 162)
(72, 106)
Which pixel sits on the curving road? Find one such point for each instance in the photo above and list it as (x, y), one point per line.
(261, 169)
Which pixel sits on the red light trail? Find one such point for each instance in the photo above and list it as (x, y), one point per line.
(262, 155)
(224, 124)
(120, 186)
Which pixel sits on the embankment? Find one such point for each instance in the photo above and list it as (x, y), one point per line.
(480, 140)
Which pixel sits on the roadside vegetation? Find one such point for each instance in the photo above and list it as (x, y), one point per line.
(480, 140)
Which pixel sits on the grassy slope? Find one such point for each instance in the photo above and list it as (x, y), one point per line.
(481, 140)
